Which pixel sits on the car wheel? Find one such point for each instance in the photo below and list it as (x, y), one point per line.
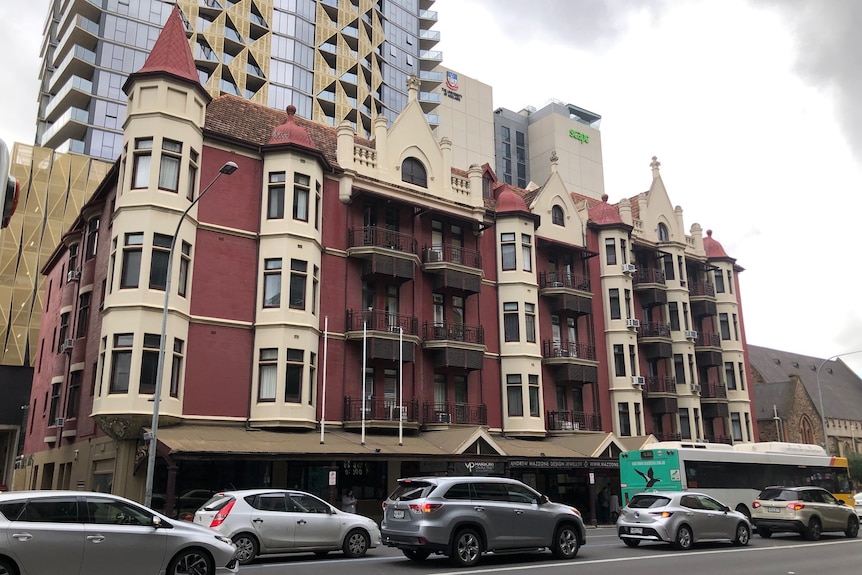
(356, 543)
(416, 555)
(684, 538)
(814, 529)
(7, 568)
(566, 542)
(632, 542)
(763, 532)
(466, 548)
(743, 535)
(852, 527)
(191, 562)
(246, 548)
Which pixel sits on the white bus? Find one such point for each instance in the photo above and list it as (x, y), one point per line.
(733, 474)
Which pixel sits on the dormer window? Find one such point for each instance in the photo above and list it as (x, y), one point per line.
(557, 216)
(663, 234)
(413, 172)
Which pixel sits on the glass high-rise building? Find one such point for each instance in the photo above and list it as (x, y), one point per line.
(334, 60)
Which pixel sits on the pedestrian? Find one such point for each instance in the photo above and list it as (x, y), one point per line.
(615, 507)
(348, 502)
(604, 505)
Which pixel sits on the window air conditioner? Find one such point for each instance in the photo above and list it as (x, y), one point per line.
(690, 334)
(73, 275)
(67, 345)
(60, 422)
(629, 268)
(633, 323)
(638, 380)
(444, 418)
(555, 284)
(695, 388)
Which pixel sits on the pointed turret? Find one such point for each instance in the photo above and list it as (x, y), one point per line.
(290, 133)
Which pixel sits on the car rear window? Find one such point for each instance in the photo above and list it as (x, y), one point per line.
(774, 494)
(410, 490)
(648, 501)
(216, 502)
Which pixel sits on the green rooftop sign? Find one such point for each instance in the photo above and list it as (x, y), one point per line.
(582, 138)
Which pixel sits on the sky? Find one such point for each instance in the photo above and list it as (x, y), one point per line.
(751, 106)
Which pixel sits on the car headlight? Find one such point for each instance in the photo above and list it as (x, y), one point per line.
(224, 539)
(575, 511)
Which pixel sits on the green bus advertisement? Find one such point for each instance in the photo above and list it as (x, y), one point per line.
(649, 470)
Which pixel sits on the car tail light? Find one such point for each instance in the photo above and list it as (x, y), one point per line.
(222, 514)
(755, 504)
(425, 507)
(383, 505)
(795, 505)
(662, 514)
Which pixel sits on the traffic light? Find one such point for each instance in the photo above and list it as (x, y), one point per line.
(9, 188)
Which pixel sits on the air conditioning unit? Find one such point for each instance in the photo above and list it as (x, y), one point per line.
(638, 380)
(635, 323)
(695, 388)
(73, 275)
(395, 328)
(629, 268)
(555, 284)
(60, 422)
(67, 345)
(690, 334)
(444, 418)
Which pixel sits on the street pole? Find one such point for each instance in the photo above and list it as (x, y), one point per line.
(820, 394)
(228, 169)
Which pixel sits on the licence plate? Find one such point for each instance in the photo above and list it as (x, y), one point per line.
(636, 531)
(774, 509)
(398, 514)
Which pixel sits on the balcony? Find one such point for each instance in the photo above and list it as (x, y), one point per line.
(573, 421)
(83, 32)
(454, 413)
(713, 391)
(667, 436)
(79, 62)
(566, 292)
(454, 345)
(571, 361)
(380, 413)
(429, 59)
(456, 269)
(71, 125)
(707, 349)
(658, 386)
(76, 93)
(382, 332)
(386, 252)
(718, 439)
(655, 340)
(702, 298)
(427, 18)
(650, 286)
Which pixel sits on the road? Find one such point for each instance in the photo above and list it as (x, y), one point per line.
(603, 554)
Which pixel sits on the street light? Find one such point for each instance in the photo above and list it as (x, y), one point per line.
(820, 394)
(228, 168)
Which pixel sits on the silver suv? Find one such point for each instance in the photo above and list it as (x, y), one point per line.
(809, 511)
(464, 517)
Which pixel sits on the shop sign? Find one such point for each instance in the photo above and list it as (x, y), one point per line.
(564, 464)
(479, 468)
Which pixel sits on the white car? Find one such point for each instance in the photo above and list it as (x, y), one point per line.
(857, 499)
(262, 521)
(83, 532)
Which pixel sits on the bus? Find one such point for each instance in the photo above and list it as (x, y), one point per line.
(733, 474)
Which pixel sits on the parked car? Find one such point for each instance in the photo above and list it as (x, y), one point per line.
(262, 521)
(464, 517)
(857, 500)
(83, 532)
(681, 518)
(809, 511)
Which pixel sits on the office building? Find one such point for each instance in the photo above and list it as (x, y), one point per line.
(333, 60)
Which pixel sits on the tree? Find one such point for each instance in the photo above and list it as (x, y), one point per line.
(854, 462)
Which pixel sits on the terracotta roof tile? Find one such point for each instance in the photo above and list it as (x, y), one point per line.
(290, 133)
(604, 213)
(712, 248)
(171, 53)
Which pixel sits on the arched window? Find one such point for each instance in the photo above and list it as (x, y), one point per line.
(663, 234)
(413, 172)
(806, 431)
(557, 216)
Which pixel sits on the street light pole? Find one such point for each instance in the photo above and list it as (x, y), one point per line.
(228, 168)
(820, 394)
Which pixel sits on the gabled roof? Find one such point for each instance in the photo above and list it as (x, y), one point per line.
(171, 54)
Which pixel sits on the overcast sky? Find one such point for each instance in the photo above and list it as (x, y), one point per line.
(752, 107)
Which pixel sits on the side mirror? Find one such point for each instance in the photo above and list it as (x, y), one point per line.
(157, 521)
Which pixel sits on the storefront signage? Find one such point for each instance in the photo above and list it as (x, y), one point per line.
(564, 464)
(479, 468)
(582, 138)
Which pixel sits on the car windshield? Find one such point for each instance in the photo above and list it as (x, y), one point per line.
(409, 490)
(778, 494)
(647, 501)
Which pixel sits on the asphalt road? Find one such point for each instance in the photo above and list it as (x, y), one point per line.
(604, 554)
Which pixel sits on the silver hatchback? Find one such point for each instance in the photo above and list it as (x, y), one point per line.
(45, 532)
(681, 518)
(261, 521)
(464, 517)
